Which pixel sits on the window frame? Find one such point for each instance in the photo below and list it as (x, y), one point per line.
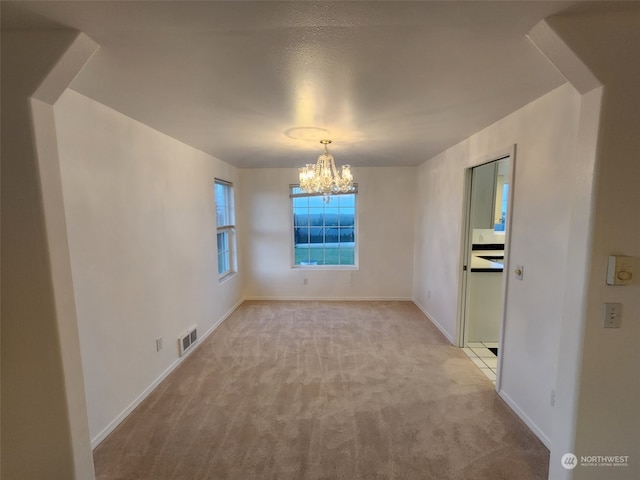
(292, 196)
(228, 229)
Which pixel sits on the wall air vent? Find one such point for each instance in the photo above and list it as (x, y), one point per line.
(187, 339)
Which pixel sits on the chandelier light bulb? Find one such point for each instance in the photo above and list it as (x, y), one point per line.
(323, 177)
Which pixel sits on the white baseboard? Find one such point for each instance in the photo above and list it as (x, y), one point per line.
(131, 407)
(525, 418)
(507, 399)
(435, 322)
(331, 299)
(140, 398)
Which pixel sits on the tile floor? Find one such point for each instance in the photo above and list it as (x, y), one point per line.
(484, 358)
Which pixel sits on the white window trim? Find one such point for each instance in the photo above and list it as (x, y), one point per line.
(231, 230)
(356, 260)
(232, 252)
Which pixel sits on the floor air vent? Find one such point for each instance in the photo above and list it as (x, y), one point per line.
(186, 341)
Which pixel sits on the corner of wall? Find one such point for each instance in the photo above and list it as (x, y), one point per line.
(42, 309)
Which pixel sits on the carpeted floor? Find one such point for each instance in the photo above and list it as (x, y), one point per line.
(323, 390)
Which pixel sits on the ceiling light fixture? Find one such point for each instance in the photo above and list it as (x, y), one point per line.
(323, 177)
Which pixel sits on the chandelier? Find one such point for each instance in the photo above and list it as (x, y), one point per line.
(323, 177)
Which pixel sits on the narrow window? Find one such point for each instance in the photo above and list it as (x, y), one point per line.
(324, 229)
(226, 235)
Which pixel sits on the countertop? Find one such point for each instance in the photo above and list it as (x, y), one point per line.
(479, 264)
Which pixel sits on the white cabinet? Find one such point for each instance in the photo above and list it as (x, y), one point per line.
(483, 306)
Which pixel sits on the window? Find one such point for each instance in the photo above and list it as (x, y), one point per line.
(324, 230)
(226, 235)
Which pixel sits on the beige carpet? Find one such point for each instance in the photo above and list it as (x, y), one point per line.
(324, 390)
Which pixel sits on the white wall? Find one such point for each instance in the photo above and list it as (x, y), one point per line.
(44, 433)
(545, 133)
(547, 179)
(607, 415)
(141, 225)
(438, 233)
(385, 211)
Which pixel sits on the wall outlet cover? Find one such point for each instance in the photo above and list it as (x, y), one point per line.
(612, 315)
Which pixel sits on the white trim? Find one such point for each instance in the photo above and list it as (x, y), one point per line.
(464, 260)
(330, 299)
(356, 233)
(229, 229)
(560, 55)
(525, 418)
(132, 406)
(506, 152)
(48, 172)
(325, 267)
(145, 393)
(435, 322)
(465, 231)
(507, 399)
(507, 261)
(228, 276)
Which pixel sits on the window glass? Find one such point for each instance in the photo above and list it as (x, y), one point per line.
(223, 193)
(324, 229)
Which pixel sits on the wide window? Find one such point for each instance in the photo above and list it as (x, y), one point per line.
(324, 229)
(226, 234)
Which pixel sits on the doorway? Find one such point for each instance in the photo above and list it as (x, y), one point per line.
(484, 259)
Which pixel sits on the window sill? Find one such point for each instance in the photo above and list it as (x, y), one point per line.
(226, 276)
(324, 267)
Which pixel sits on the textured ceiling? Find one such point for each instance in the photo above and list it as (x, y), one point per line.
(258, 84)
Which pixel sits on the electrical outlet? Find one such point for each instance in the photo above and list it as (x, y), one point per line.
(305, 281)
(428, 293)
(158, 344)
(552, 399)
(612, 315)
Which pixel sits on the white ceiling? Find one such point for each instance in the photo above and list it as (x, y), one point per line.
(258, 84)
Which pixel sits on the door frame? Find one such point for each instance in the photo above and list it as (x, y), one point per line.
(465, 248)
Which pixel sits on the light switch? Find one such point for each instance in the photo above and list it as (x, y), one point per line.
(612, 315)
(619, 270)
